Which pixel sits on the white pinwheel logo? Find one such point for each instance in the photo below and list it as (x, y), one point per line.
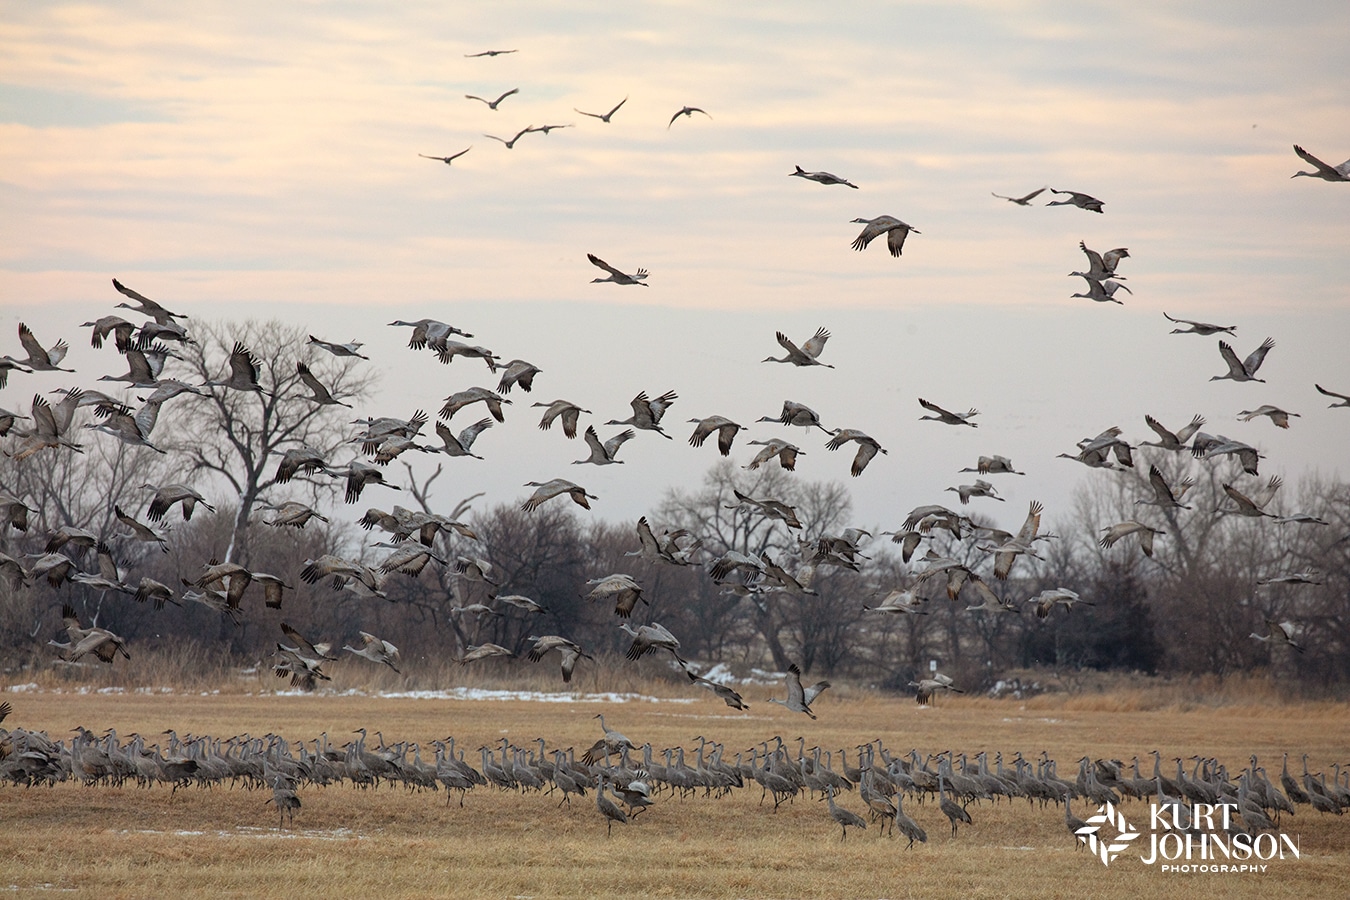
(1107, 849)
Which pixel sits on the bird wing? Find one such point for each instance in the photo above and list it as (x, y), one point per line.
(307, 377)
(1032, 196)
(866, 450)
(895, 239)
(505, 95)
(816, 344)
(598, 450)
(1327, 393)
(612, 445)
(796, 696)
(243, 364)
(597, 261)
(36, 354)
(1160, 487)
(1094, 259)
(1257, 356)
(470, 434)
(616, 107)
(935, 408)
(1235, 367)
(1316, 163)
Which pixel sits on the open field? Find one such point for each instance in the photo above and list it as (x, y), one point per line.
(130, 842)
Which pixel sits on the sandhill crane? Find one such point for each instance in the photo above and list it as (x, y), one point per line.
(244, 369)
(647, 638)
(1343, 398)
(548, 128)
(1304, 577)
(1082, 201)
(482, 651)
(622, 588)
(947, 417)
(568, 411)
(358, 475)
(1123, 529)
(117, 326)
(8, 420)
(1024, 200)
(895, 231)
(518, 372)
(145, 306)
(603, 117)
(955, 813)
(352, 348)
(375, 650)
(647, 412)
(796, 695)
(50, 424)
(900, 601)
(725, 428)
(127, 429)
(821, 177)
(786, 453)
(603, 454)
(687, 112)
(993, 465)
(607, 807)
(306, 647)
(1200, 328)
(1108, 441)
(1102, 266)
(1006, 553)
(1102, 291)
(447, 159)
(428, 331)
(1163, 495)
(980, 488)
(511, 144)
(458, 445)
(99, 641)
(547, 490)
(492, 104)
(778, 577)
(1301, 519)
(7, 365)
(569, 651)
(1278, 633)
(409, 557)
(297, 460)
(1323, 171)
(844, 817)
(867, 447)
(908, 827)
(1047, 600)
(109, 577)
(170, 494)
(1244, 370)
(728, 695)
(795, 413)
(393, 446)
(1206, 446)
(616, 276)
(807, 354)
(39, 358)
(460, 399)
(925, 688)
(667, 550)
(1278, 416)
(319, 393)
(1253, 507)
(488, 53)
(774, 509)
(1174, 441)
(140, 531)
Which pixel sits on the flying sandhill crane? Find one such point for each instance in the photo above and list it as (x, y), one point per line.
(1102, 291)
(547, 490)
(1278, 416)
(145, 305)
(1047, 600)
(925, 688)
(50, 425)
(99, 641)
(511, 144)
(786, 453)
(319, 392)
(299, 460)
(1243, 370)
(482, 651)
(844, 817)
(774, 509)
(648, 638)
(795, 413)
(447, 159)
(570, 651)
(1024, 200)
(867, 447)
(728, 695)
(117, 326)
(688, 113)
(807, 354)
(458, 445)
(351, 348)
(1278, 633)
(725, 428)
(488, 53)
(568, 411)
(375, 650)
(41, 359)
(796, 695)
(895, 231)
(1102, 266)
(980, 488)
(460, 399)
(821, 177)
(900, 601)
(1174, 441)
(170, 494)
(622, 588)
(1200, 328)
(616, 276)
(1344, 398)
(947, 417)
(603, 454)
(1251, 506)
(7, 364)
(358, 475)
(1082, 201)
(993, 465)
(1304, 577)
(1006, 553)
(1206, 446)
(1124, 529)
(244, 371)
(518, 372)
(1323, 171)
(139, 530)
(428, 331)
(145, 362)
(492, 104)
(603, 117)
(1163, 495)
(647, 412)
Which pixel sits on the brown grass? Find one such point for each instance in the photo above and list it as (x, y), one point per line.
(345, 842)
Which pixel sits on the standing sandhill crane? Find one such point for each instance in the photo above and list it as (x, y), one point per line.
(492, 104)
(244, 371)
(511, 144)
(954, 812)
(844, 817)
(460, 399)
(352, 348)
(616, 276)
(607, 807)
(993, 465)
(623, 588)
(447, 159)
(568, 411)
(1047, 600)
(1278, 633)
(41, 359)
(1024, 200)
(821, 177)
(1163, 495)
(1082, 201)
(795, 413)
(170, 494)
(647, 412)
(603, 454)
(375, 650)
(1278, 416)
(1323, 171)
(1102, 291)
(688, 113)
(1200, 328)
(807, 354)
(1124, 529)
(728, 695)
(145, 306)
(786, 453)
(319, 393)
(947, 417)
(895, 231)
(1174, 441)
(908, 827)
(1244, 370)
(603, 117)
(458, 445)
(867, 447)
(980, 488)
(1344, 398)
(570, 651)
(796, 695)
(725, 428)
(428, 331)
(518, 372)
(547, 490)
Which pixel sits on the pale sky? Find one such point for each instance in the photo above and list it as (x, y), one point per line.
(260, 159)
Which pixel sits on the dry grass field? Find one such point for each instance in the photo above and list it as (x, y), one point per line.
(131, 842)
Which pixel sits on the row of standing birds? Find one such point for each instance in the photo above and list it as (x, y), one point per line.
(628, 778)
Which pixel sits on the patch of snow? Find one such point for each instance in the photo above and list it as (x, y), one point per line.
(22, 688)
